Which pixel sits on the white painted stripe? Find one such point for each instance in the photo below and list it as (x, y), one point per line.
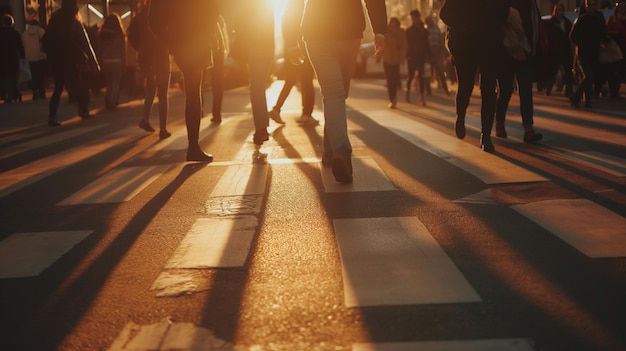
(606, 163)
(166, 335)
(119, 185)
(18, 178)
(587, 226)
(215, 242)
(44, 140)
(368, 176)
(29, 254)
(396, 261)
(453, 345)
(487, 167)
(246, 179)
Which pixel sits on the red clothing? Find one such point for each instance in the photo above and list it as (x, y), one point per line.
(617, 29)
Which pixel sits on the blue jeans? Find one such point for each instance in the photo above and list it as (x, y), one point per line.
(524, 74)
(334, 63)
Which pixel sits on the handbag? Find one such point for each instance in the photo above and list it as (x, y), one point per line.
(610, 52)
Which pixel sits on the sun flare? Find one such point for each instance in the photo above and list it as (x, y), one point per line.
(279, 8)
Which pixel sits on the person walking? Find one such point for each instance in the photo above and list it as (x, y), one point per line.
(510, 69)
(475, 36)
(72, 59)
(417, 54)
(393, 56)
(10, 55)
(112, 56)
(297, 72)
(438, 52)
(220, 52)
(255, 47)
(31, 38)
(332, 32)
(154, 65)
(561, 26)
(616, 27)
(183, 26)
(588, 33)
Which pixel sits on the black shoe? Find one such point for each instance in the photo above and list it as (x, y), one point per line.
(501, 130)
(260, 137)
(342, 166)
(574, 102)
(53, 123)
(459, 127)
(486, 144)
(194, 153)
(532, 136)
(145, 125)
(164, 134)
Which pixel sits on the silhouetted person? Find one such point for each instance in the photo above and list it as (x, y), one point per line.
(36, 58)
(332, 32)
(185, 27)
(220, 51)
(254, 28)
(438, 52)
(475, 37)
(112, 57)
(418, 52)
(560, 26)
(522, 70)
(588, 33)
(296, 71)
(71, 58)
(394, 55)
(11, 53)
(154, 65)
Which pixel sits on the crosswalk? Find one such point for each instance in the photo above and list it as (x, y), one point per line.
(385, 261)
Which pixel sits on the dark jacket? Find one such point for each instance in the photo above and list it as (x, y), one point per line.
(150, 51)
(588, 33)
(560, 36)
(186, 28)
(474, 27)
(12, 51)
(418, 48)
(333, 19)
(66, 41)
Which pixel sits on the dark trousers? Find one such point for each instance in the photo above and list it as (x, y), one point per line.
(392, 72)
(506, 73)
(293, 74)
(412, 66)
(77, 85)
(467, 65)
(193, 102)
(157, 83)
(586, 85)
(38, 71)
(217, 85)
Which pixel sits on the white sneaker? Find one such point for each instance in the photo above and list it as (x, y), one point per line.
(275, 116)
(307, 120)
